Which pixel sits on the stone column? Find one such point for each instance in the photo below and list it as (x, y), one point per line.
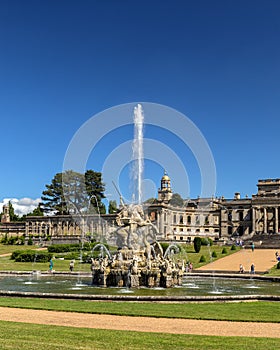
(254, 228)
(264, 220)
(26, 229)
(276, 220)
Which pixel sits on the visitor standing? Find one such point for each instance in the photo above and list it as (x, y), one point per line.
(71, 265)
(252, 268)
(241, 268)
(253, 246)
(51, 265)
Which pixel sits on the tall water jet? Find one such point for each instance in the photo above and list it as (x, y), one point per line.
(139, 259)
(138, 160)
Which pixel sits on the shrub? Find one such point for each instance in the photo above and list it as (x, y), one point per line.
(30, 256)
(64, 248)
(4, 239)
(224, 251)
(197, 244)
(206, 241)
(72, 256)
(214, 254)
(202, 259)
(233, 247)
(164, 246)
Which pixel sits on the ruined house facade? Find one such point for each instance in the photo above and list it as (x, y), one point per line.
(217, 218)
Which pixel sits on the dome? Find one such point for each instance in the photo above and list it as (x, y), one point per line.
(165, 177)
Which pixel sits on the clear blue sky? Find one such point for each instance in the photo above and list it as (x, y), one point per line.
(218, 62)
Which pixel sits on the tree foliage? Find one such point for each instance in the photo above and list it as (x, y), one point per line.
(177, 200)
(95, 191)
(71, 192)
(197, 244)
(13, 216)
(112, 207)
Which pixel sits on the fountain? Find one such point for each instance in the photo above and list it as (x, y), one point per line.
(139, 260)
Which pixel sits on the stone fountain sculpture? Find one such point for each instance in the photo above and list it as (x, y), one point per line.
(139, 260)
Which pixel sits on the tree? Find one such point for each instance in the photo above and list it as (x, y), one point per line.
(177, 200)
(36, 212)
(13, 216)
(112, 207)
(71, 192)
(95, 190)
(197, 244)
(53, 200)
(150, 200)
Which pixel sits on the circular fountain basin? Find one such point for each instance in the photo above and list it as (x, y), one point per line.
(208, 287)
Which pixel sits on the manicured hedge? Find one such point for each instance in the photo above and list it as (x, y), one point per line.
(30, 256)
(64, 248)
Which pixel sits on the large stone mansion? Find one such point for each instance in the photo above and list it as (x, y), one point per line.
(218, 218)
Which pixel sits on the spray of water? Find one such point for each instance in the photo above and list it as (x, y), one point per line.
(138, 160)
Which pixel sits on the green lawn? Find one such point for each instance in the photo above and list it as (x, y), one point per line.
(241, 311)
(21, 336)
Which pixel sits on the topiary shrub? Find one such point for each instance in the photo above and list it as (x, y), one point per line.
(233, 247)
(202, 259)
(197, 244)
(224, 251)
(214, 254)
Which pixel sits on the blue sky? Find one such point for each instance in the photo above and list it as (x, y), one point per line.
(62, 62)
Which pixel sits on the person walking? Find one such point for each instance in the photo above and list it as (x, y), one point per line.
(253, 246)
(71, 265)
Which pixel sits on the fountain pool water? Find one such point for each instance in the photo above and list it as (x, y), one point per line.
(191, 286)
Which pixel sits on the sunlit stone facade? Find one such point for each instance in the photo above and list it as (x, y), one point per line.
(218, 218)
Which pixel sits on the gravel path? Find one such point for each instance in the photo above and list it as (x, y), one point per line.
(263, 260)
(142, 324)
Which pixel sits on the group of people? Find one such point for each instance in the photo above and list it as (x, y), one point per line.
(242, 270)
(71, 265)
(189, 267)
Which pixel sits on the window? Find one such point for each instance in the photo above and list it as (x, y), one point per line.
(189, 219)
(181, 219)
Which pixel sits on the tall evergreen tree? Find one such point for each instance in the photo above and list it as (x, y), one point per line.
(71, 192)
(95, 190)
(53, 200)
